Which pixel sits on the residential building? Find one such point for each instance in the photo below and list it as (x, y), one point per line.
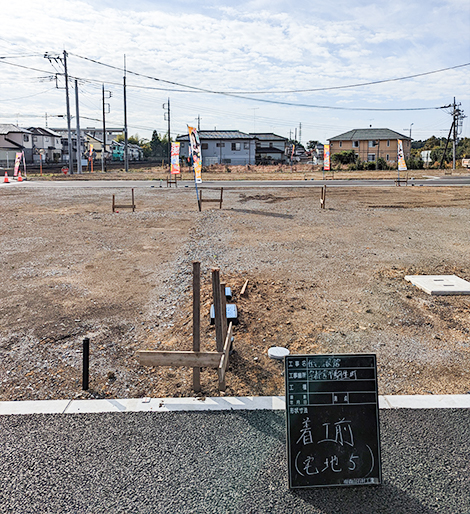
(135, 152)
(222, 147)
(47, 143)
(270, 148)
(14, 139)
(371, 144)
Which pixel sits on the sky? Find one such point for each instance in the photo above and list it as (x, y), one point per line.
(296, 69)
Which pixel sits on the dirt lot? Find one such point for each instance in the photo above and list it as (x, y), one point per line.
(320, 281)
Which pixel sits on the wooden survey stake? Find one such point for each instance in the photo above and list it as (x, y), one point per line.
(332, 420)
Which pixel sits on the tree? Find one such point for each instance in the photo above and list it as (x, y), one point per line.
(346, 157)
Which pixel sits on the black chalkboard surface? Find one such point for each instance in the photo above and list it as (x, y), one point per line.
(332, 420)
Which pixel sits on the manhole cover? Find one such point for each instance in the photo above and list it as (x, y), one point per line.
(278, 352)
(440, 284)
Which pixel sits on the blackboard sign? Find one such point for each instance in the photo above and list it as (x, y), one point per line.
(332, 420)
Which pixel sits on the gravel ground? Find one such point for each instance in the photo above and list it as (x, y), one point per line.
(214, 462)
(320, 281)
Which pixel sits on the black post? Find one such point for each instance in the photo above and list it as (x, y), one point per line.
(86, 362)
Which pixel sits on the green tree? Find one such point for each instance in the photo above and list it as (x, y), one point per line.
(346, 157)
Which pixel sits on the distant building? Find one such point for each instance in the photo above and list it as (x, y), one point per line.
(270, 148)
(371, 144)
(14, 139)
(47, 143)
(222, 147)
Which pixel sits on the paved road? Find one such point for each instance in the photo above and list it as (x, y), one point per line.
(238, 184)
(220, 462)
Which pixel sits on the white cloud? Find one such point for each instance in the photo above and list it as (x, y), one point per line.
(257, 45)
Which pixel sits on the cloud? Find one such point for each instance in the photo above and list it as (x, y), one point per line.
(256, 45)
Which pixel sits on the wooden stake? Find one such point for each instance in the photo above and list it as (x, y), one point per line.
(323, 197)
(196, 321)
(219, 335)
(243, 291)
(223, 309)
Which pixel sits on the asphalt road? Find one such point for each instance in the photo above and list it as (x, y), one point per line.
(238, 184)
(220, 462)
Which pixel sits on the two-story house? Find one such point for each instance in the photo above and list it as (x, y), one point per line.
(47, 143)
(14, 139)
(222, 147)
(270, 148)
(371, 144)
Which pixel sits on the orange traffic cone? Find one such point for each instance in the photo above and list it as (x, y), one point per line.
(5, 180)
(19, 177)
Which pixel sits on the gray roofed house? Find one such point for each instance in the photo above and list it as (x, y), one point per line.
(370, 144)
(270, 147)
(222, 147)
(47, 143)
(14, 139)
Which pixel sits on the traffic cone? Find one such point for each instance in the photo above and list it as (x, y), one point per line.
(19, 177)
(5, 180)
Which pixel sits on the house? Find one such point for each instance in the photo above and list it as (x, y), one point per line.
(135, 152)
(222, 147)
(371, 144)
(270, 148)
(47, 143)
(14, 139)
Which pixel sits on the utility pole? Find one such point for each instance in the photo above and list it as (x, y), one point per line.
(68, 114)
(169, 143)
(103, 143)
(166, 116)
(103, 150)
(300, 133)
(457, 117)
(79, 146)
(454, 143)
(198, 123)
(126, 153)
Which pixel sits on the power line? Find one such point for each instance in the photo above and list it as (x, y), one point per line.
(240, 95)
(331, 88)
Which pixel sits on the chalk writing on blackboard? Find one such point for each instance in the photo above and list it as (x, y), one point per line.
(332, 420)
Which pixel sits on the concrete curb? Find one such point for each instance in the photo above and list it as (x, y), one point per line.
(458, 401)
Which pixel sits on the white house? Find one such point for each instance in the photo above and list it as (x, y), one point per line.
(270, 147)
(46, 142)
(222, 147)
(14, 139)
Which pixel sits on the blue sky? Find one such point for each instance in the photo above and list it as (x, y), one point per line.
(260, 50)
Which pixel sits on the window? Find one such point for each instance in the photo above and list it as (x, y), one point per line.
(25, 138)
(220, 145)
(388, 157)
(270, 144)
(372, 144)
(246, 146)
(236, 147)
(370, 157)
(355, 144)
(388, 142)
(205, 146)
(46, 139)
(35, 139)
(341, 144)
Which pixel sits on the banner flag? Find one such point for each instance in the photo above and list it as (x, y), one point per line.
(401, 157)
(175, 158)
(326, 158)
(18, 157)
(195, 145)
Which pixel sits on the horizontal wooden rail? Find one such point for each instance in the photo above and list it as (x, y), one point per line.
(189, 359)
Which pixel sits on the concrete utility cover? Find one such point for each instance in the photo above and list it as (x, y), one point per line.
(277, 352)
(440, 284)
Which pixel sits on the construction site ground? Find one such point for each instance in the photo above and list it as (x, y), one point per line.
(319, 281)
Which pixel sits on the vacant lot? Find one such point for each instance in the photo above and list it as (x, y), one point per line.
(320, 281)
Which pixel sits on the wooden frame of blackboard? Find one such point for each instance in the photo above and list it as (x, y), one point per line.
(332, 420)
